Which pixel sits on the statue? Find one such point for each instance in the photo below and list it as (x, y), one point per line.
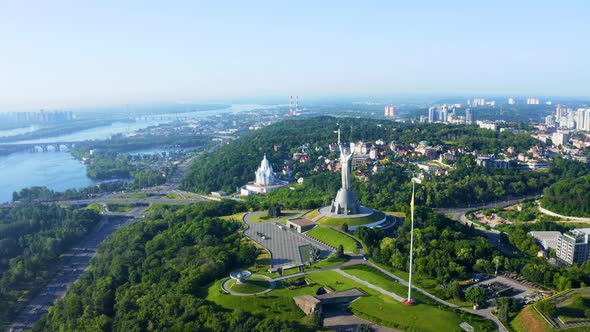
(345, 202)
(345, 157)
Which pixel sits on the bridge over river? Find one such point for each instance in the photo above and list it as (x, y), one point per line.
(39, 147)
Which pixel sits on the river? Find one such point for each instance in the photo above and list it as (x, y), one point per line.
(60, 171)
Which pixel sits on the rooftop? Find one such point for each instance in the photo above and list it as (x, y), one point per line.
(303, 222)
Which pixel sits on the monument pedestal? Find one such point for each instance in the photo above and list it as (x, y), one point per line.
(345, 203)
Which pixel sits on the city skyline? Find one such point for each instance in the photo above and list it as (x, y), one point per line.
(64, 55)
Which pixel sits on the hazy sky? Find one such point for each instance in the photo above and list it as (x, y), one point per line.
(79, 53)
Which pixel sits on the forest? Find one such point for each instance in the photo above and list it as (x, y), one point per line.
(150, 277)
(570, 195)
(32, 237)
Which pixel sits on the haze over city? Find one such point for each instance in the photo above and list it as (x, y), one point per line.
(300, 166)
(67, 54)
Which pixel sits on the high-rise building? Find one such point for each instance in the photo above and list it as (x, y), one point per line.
(469, 116)
(549, 121)
(559, 138)
(511, 101)
(572, 246)
(431, 115)
(389, 111)
(583, 119)
(532, 101)
(558, 113)
(442, 113)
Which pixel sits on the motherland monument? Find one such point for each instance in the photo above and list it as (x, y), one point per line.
(345, 203)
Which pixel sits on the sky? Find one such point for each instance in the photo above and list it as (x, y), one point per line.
(66, 54)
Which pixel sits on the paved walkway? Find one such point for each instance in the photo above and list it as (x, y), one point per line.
(553, 214)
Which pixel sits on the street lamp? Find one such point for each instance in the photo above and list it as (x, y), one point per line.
(409, 300)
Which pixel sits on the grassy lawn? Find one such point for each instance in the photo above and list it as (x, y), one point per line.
(290, 271)
(172, 196)
(253, 285)
(330, 261)
(277, 304)
(235, 217)
(397, 214)
(312, 214)
(381, 308)
(574, 310)
(261, 217)
(384, 310)
(120, 207)
(427, 284)
(376, 278)
(134, 195)
(333, 221)
(334, 238)
(96, 207)
(262, 263)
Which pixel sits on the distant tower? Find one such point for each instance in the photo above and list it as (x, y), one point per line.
(291, 106)
(469, 115)
(297, 104)
(386, 110)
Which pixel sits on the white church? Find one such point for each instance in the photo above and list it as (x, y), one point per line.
(265, 180)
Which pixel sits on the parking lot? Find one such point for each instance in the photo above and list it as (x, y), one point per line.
(282, 243)
(520, 290)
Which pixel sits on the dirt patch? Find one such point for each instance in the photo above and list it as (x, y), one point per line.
(528, 321)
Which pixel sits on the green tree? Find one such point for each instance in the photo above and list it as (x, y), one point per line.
(344, 227)
(476, 295)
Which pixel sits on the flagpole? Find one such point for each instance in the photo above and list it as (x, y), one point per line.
(409, 300)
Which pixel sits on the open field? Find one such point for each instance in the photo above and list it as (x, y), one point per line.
(334, 238)
(333, 221)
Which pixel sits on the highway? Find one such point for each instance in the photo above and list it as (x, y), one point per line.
(73, 263)
(493, 236)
